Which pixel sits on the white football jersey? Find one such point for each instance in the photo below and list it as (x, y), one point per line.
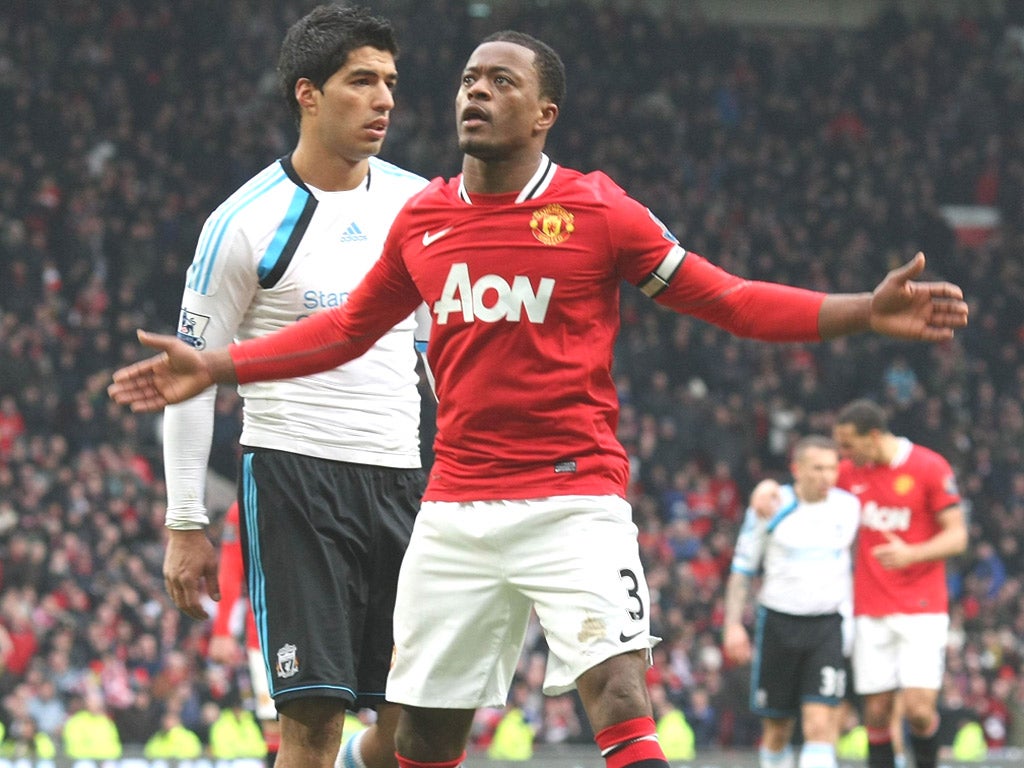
(802, 552)
(274, 252)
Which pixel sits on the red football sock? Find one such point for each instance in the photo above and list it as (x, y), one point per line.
(633, 742)
(405, 762)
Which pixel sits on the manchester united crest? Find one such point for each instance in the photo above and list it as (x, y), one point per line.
(552, 224)
(903, 484)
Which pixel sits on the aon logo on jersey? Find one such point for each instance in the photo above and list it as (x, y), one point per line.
(885, 518)
(490, 298)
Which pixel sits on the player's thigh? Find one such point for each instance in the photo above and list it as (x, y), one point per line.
(922, 649)
(823, 668)
(581, 569)
(876, 656)
(459, 624)
(775, 666)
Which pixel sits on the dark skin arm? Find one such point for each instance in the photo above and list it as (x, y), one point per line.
(899, 307)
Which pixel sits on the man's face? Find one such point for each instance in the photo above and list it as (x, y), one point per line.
(860, 449)
(814, 472)
(349, 116)
(498, 105)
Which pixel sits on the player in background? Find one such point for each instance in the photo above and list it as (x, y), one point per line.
(330, 480)
(234, 618)
(520, 262)
(911, 521)
(798, 537)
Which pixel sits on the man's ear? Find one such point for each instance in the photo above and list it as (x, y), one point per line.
(548, 115)
(306, 93)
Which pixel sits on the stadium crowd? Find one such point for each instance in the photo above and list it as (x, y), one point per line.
(814, 157)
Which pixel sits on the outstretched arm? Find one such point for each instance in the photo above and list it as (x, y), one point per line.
(178, 373)
(899, 307)
(320, 342)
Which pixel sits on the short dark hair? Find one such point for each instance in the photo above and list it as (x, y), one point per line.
(865, 415)
(318, 45)
(549, 66)
(813, 441)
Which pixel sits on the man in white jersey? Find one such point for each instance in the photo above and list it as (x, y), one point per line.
(330, 479)
(798, 537)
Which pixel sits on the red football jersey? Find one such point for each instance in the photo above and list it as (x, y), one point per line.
(523, 291)
(904, 497)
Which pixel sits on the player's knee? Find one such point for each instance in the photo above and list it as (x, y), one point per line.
(433, 735)
(312, 720)
(615, 690)
(920, 715)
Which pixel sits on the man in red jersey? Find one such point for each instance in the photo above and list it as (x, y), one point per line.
(911, 521)
(520, 262)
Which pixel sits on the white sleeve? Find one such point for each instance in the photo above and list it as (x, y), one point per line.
(420, 338)
(188, 435)
(208, 319)
(750, 544)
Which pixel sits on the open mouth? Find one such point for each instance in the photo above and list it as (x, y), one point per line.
(472, 116)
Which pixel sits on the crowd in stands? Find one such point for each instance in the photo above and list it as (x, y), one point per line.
(815, 157)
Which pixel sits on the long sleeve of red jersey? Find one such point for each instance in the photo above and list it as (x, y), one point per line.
(747, 308)
(327, 339)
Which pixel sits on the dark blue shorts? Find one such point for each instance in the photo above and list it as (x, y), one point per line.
(323, 542)
(797, 660)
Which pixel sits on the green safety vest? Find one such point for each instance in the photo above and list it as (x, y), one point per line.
(177, 743)
(969, 743)
(513, 738)
(676, 736)
(88, 735)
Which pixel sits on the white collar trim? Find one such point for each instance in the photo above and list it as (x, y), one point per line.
(903, 448)
(534, 188)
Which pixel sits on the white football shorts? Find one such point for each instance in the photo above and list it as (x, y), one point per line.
(904, 650)
(474, 570)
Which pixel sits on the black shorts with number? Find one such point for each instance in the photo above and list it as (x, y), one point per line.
(322, 542)
(797, 660)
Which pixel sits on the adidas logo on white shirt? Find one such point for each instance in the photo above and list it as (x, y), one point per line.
(353, 234)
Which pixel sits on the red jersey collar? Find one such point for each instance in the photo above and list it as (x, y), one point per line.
(534, 188)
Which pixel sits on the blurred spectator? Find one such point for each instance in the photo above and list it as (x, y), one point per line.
(25, 740)
(703, 718)
(46, 708)
(137, 722)
(173, 741)
(236, 733)
(674, 734)
(90, 733)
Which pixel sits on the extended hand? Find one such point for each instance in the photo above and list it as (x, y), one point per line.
(929, 311)
(177, 373)
(736, 644)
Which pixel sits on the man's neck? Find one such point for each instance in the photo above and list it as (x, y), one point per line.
(495, 177)
(329, 173)
(888, 445)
